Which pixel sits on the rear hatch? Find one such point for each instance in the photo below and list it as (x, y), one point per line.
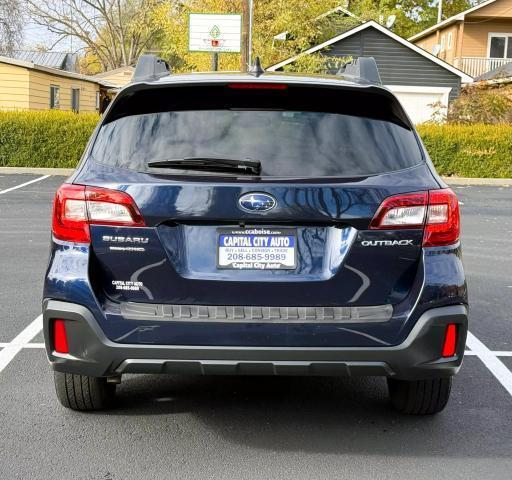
(289, 244)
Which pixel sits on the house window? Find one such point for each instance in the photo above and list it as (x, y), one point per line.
(443, 41)
(500, 45)
(97, 100)
(75, 100)
(450, 41)
(54, 96)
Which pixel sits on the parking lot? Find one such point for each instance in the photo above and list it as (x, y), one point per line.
(253, 427)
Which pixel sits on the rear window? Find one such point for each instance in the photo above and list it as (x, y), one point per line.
(326, 134)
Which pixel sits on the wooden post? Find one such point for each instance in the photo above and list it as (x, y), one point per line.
(215, 61)
(244, 57)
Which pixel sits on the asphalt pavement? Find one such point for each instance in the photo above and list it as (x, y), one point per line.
(253, 427)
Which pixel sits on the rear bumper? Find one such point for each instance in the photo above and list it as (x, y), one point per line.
(92, 353)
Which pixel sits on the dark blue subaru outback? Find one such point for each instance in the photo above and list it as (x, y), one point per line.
(255, 224)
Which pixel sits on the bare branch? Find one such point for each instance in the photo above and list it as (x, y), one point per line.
(11, 26)
(114, 31)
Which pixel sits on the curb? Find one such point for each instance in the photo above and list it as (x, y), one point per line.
(501, 182)
(37, 171)
(497, 182)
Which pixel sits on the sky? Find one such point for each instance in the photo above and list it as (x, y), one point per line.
(36, 35)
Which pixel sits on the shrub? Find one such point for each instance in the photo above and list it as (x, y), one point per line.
(469, 150)
(57, 139)
(44, 139)
(479, 105)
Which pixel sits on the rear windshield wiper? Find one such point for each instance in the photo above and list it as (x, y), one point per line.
(211, 164)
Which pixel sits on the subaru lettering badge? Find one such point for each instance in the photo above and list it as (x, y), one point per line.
(257, 202)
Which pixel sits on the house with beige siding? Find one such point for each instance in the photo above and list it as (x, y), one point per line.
(475, 41)
(27, 86)
(119, 77)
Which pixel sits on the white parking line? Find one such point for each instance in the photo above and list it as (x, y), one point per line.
(13, 348)
(23, 184)
(489, 357)
(26, 345)
(491, 361)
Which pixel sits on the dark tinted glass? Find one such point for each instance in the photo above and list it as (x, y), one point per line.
(497, 47)
(295, 131)
(288, 143)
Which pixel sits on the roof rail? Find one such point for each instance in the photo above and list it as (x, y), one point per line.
(362, 67)
(150, 68)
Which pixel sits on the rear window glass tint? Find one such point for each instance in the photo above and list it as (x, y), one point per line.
(325, 133)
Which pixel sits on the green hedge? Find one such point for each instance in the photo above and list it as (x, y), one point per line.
(477, 150)
(44, 139)
(57, 139)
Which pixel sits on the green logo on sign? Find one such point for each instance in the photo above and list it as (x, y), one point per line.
(215, 32)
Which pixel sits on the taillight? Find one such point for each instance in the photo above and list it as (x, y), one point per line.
(70, 215)
(60, 338)
(112, 207)
(443, 219)
(437, 211)
(401, 211)
(76, 207)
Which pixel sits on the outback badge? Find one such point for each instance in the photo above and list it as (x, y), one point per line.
(257, 202)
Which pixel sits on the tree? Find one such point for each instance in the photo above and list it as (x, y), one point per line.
(11, 26)
(114, 32)
(421, 14)
(299, 18)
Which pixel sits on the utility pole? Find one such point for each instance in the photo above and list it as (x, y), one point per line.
(246, 27)
(440, 11)
(251, 13)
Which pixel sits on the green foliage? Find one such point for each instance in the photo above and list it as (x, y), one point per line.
(57, 139)
(271, 17)
(417, 15)
(478, 150)
(482, 105)
(44, 139)
(316, 63)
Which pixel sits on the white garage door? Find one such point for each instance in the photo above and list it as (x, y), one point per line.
(421, 103)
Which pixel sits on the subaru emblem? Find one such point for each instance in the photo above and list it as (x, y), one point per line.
(257, 202)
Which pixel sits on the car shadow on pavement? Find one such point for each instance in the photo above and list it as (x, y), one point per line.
(327, 415)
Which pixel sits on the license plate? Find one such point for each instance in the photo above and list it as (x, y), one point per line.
(257, 248)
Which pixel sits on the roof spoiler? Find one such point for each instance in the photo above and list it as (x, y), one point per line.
(150, 68)
(364, 68)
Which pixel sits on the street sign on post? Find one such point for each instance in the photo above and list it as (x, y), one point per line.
(215, 33)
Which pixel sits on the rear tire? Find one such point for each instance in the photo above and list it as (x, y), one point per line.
(83, 393)
(420, 397)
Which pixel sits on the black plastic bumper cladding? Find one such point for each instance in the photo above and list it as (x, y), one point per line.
(419, 356)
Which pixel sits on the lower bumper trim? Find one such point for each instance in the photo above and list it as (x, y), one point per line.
(93, 354)
(235, 367)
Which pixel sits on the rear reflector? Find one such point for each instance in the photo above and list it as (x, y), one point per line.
(450, 341)
(258, 86)
(76, 207)
(60, 339)
(435, 211)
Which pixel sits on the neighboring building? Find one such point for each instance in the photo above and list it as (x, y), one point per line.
(118, 77)
(58, 60)
(27, 86)
(503, 73)
(423, 83)
(476, 41)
